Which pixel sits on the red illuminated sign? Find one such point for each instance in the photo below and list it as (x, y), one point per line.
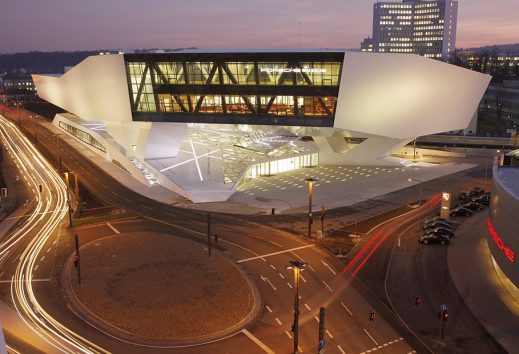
(500, 243)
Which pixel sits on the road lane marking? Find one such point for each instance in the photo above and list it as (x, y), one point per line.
(14, 260)
(369, 335)
(289, 285)
(308, 307)
(340, 349)
(271, 266)
(329, 334)
(327, 266)
(281, 275)
(48, 250)
(1, 274)
(269, 309)
(316, 318)
(327, 286)
(42, 258)
(312, 268)
(113, 228)
(346, 308)
(273, 254)
(265, 279)
(37, 266)
(300, 276)
(278, 321)
(257, 341)
(288, 334)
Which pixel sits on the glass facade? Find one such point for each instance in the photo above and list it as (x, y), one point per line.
(82, 135)
(252, 88)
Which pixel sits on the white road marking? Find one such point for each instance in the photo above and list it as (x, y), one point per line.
(269, 309)
(288, 334)
(308, 307)
(273, 254)
(346, 308)
(327, 266)
(312, 268)
(281, 275)
(369, 335)
(278, 321)
(272, 266)
(48, 250)
(316, 318)
(340, 349)
(1, 274)
(329, 334)
(257, 341)
(265, 279)
(37, 266)
(289, 285)
(327, 286)
(113, 228)
(42, 258)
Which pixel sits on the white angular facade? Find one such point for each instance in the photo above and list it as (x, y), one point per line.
(198, 121)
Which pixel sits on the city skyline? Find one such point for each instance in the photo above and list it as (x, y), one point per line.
(64, 25)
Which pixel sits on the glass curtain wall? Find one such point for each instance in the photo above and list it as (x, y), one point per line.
(286, 88)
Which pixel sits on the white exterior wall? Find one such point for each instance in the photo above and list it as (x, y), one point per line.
(96, 89)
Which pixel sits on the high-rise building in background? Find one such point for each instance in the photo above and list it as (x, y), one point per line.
(422, 27)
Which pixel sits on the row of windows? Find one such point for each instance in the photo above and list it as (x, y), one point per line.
(273, 105)
(82, 135)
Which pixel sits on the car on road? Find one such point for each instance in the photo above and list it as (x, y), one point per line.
(443, 231)
(460, 211)
(433, 238)
(473, 206)
(435, 224)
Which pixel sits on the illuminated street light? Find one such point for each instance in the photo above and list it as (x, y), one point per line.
(297, 267)
(310, 182)
(419, 200)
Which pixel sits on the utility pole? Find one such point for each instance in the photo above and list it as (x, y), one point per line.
(77, 261)
(209, 234)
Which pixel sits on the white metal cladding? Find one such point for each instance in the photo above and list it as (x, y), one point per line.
(405, 95)
(95, 89)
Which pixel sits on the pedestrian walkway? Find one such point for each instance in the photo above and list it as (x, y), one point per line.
(474, 276)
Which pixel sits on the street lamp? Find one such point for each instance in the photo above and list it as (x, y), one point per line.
(419, 200)
(297, 267)
(310, 182)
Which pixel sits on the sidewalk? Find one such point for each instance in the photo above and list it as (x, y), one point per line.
(473, 274)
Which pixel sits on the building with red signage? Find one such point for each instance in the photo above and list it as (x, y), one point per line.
(503, 226)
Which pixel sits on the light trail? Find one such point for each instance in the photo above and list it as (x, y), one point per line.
(50, 208)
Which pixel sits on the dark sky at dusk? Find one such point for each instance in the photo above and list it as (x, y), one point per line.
(93, 24)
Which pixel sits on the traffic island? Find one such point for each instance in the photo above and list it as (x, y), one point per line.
(157, 289)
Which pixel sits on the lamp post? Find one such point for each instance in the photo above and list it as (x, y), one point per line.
(297, 266)
(419, 200)
(310, 182)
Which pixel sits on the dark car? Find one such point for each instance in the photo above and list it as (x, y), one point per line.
(484, 199)
(435, 218)
(435, 224)
(434, 238)
(461, 212)
(477, 191)
(443, 231)
(465, 195)
(473, 206)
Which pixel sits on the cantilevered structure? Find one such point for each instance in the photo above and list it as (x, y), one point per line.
(198, 122)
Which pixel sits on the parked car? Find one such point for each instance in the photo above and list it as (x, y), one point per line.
(435, 224)
(436, 218)
(460, 211)
(443, 231)
(483, 199)
(473, 206)
(465, 195)
(477, 191)
(434, 238)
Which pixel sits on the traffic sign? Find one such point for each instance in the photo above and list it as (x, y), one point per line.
(444, 307)
(322, 342)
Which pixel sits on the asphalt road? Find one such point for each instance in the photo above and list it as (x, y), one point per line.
(263, 251)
